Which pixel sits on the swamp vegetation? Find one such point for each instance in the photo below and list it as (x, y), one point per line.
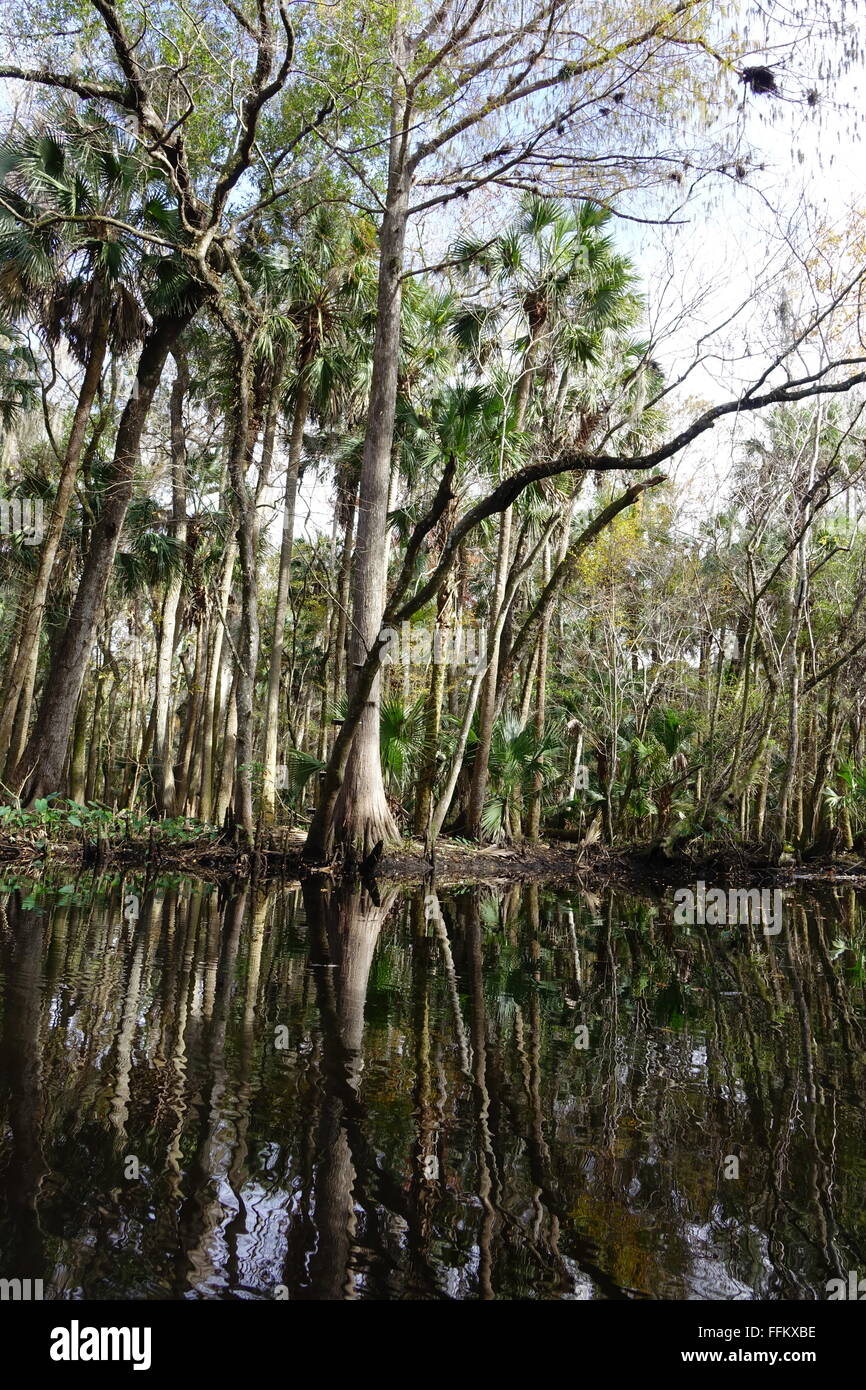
(432, 482)
(344, 416)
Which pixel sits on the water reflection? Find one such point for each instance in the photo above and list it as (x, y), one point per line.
(498, 1092)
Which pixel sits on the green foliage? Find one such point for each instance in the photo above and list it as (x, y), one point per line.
(302, 768)
(518, 755)
(849, 792)
(671, 729)
(401, 739)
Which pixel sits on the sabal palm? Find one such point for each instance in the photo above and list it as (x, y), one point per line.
(554, 286)
(19, 384)
(74, 278)
(519, 756)
(171, 293)
(328, 275)
(317, 291)
(61, 264)
(459, 422)
(672, 730)
(553, 282)
(401, 739)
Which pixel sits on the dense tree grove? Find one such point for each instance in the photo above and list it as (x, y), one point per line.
(356, 478)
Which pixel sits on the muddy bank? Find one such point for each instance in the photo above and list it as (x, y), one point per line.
(635, 867)
(280, 857)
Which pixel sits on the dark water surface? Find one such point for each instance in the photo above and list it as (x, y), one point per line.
(304, 1095)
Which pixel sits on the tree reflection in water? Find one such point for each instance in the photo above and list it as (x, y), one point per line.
(319, 1093)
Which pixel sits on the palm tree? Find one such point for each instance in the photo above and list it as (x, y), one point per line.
(77, 280)
(169, 296)
(458, 432)
(19, 383)
(519, 756)
(319, 288)
(560, 285)
(401, 738)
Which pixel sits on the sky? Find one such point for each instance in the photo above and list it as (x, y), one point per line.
(738, 234)
(706, 264)
(732, 237)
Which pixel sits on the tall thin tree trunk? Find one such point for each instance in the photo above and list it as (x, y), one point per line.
(796, 606)
(78, 754)
(210, 722)
(229, 747)
(272, 707)
(442, 644)
(20, 679)
(487, 710)
(487, 707)
(186, 779)
(162, 734)
(534, 820)
(40, 769)
(343, 586)
(248, 639)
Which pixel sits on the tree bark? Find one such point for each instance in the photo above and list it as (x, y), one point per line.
(40, 769)
(248, 638)
(162, 739)
(272, 709)
(361, 814)
(20, 678)
(487, 711)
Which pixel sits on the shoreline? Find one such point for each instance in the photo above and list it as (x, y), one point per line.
(628, 866)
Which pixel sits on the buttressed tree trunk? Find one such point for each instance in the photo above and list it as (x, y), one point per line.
(362, 816)
(40, 770)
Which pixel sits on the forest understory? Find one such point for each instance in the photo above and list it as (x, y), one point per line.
(551, 537)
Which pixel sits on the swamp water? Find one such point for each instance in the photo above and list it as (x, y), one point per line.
(502, 1091)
